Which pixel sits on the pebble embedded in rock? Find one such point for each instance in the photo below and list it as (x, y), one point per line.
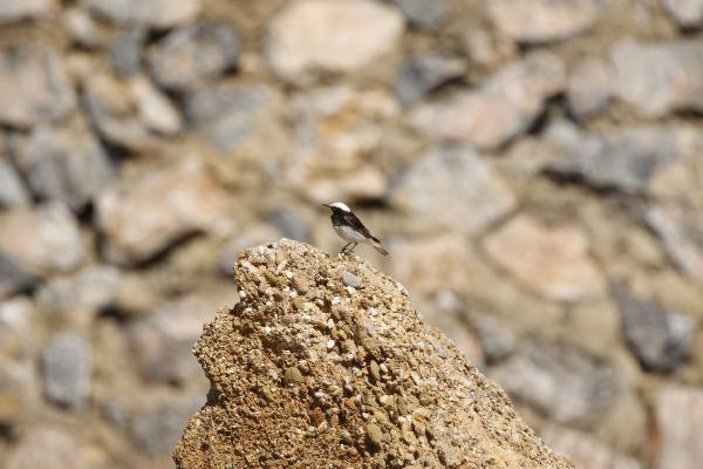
(193, 55)
(126, 52)
(350, 279)
(68, 369)
(293, 376)
(12, 190)
(374, 436)
(317, 35)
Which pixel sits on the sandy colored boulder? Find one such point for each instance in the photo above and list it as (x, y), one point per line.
(329, 375)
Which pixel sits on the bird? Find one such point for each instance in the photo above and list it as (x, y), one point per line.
(349, 228)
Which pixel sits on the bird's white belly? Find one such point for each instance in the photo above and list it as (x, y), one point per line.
(349, 234)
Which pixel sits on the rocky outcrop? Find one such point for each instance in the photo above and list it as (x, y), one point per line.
(326, 361)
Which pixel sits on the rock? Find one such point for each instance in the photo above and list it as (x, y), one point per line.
(681, 235)
(12, 11)
(660, 339)
(467, 194)
(657, 79)
(114, 111)
(193, 55)
(626, 159)
(559, 381)
(142, 218)
(589, 87)
(93, 289)
(503, 108)
(338, 37)
(126, 52)
(552, 261)
(12, 190)
(55, 244)
(16, 338)
(162, 341)
(423, 14)
(159, 421)
(68, 165)
(34, 87)
(16, 387)
(687, 13)
(587, 452)
(68, 369)
(228, 115)
(246, 352)
(155, 110)
(158, 14)
(345, 122)
(679, 415)
(423, 73)
(536, 21)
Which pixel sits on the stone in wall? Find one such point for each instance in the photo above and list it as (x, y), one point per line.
(659, 78)
(687, 13)
(467, 192)
(660, 338)
(560, 381)
(157, 14)
(66, 164)
(191, 56)
(12, 11)
(536, 21)
(501, 109)
(335, 37)
(140, 219)
(679, 414)
(34, 87)
(68, 370)
(551, 261)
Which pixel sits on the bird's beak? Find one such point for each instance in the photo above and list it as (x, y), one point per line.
(326, 205)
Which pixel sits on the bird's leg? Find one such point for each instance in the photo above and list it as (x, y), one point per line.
(344, 249)
(351, 249)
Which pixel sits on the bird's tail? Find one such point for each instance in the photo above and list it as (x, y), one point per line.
(379, 247)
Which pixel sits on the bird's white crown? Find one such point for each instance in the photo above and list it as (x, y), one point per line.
(341, 206)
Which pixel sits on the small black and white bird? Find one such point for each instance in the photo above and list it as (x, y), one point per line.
(349, 228)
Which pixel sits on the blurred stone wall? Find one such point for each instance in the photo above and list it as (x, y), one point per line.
(535, 167)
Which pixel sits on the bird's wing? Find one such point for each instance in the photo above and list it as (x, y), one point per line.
(355, 223)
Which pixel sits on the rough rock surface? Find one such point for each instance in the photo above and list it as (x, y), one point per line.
(325, 372)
